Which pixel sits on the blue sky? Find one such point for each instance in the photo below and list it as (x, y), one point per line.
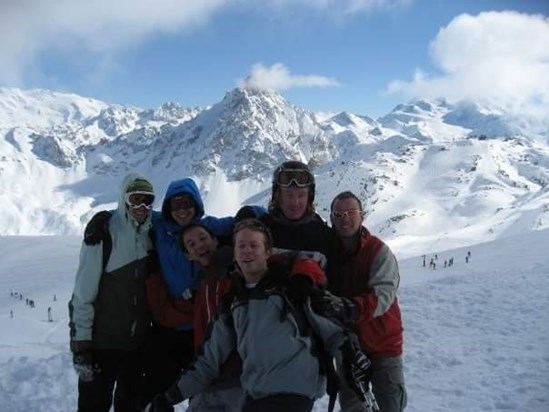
(363, 56)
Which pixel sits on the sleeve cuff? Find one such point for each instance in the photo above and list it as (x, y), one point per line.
(173, 395)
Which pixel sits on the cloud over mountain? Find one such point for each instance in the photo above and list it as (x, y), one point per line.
(484, 58)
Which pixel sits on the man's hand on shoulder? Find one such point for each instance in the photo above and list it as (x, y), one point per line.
(97, 228)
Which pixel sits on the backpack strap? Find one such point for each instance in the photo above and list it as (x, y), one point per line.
(107, 249)
(325, 359)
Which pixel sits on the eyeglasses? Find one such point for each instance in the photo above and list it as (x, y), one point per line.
(135, 200)
(181, 202)
(296, 177)
(344, 213)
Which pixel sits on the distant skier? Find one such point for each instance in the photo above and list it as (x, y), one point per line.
(467, 259)
(11, 313)
(54, 297)
(50, 319)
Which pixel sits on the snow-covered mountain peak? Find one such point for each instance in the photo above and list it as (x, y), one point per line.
(346, 119)
(42, 109)
(254, 97)
(474, 118)
(250, 131)
(421, 170)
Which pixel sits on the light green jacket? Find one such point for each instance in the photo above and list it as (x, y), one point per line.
(110, 308)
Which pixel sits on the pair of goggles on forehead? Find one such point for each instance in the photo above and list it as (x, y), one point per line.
(136, 200)
(294, 177)
(347, 213)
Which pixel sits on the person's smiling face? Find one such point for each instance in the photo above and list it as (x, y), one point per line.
(200, 245)
(346, 217)
(251, 254)
(182, 209)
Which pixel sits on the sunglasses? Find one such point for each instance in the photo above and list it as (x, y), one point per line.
(296, 177)
(350, 213)
(181, 203)
(135, 200)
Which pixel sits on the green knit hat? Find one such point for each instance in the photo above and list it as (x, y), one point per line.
(140, 185)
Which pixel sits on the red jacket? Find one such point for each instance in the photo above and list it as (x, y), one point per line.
(208, 297)
(167, 311)
(370, 278)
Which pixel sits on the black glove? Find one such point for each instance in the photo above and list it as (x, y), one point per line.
(355, 366)
(332, 306)
(82, 360)
(159, 403)
(97, 228)
(299, 288)
(164, 402)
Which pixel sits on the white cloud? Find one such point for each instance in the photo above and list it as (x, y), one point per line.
(28, 27)
(104, 28)
(498, 57)
(278, 77)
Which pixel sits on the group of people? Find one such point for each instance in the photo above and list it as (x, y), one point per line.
(233, 313)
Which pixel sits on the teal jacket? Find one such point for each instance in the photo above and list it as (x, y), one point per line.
(110, 308)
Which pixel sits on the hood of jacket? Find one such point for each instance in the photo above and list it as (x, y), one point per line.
(185, 186)
(122, 209)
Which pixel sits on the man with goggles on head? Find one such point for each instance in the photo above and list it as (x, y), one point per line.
(293, 177)
(292, 218)
(108, 310)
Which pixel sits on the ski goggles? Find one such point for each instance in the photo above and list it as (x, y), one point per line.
(295, 177)
(344, 213)
(135, 200)
(181, 203)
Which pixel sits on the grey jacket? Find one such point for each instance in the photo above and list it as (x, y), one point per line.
(110, 308)
(277, 358)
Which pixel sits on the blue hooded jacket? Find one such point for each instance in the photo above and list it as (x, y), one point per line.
(181, 275)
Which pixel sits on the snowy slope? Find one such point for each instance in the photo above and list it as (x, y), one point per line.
(476, 334)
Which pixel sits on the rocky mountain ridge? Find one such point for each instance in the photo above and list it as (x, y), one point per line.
(429, 168)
